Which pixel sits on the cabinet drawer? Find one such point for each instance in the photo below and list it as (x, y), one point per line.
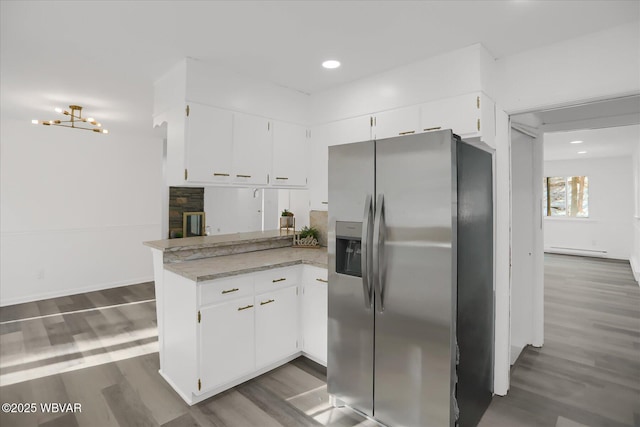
(225, 289)
(315, 275)
(277, 278)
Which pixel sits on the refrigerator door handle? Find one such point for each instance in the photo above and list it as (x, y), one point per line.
(378, 254)
(365, 261)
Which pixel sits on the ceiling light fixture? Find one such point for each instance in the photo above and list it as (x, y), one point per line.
(331, 63)
(76, 120)
(575, 142)
(582, 152)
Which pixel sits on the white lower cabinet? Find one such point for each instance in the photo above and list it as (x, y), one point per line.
(314, 313)
(276, 325)
(222, 332)
(227, 345)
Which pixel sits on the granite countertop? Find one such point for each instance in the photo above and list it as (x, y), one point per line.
(248, 262)
(190, 243)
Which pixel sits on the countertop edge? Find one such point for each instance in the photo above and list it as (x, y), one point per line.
(208, 277)
(153, 243)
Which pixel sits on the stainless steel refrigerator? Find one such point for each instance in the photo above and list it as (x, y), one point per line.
(411, 299)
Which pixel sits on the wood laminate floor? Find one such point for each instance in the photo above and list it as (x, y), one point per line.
(588, 371)
(99, 349)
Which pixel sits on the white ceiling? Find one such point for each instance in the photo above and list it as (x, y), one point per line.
(618, 141)
(105, 55)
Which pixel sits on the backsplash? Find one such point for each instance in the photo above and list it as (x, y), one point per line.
(320, 221)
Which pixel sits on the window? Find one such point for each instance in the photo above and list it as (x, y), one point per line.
(566, 196)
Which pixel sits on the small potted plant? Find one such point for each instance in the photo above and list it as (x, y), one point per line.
(286, 220)
(308, 237)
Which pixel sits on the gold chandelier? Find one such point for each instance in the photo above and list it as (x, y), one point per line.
(76, 120)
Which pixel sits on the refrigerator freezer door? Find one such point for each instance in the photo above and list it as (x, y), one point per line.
(413, 335)
(351, 321)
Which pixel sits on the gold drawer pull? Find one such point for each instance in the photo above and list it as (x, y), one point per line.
(281, 177)
(278, 280)
(322, 280)
(228, 291)
(436, 128)
(220, 174)
(267, 302)
(245, 307)
(409, 132)
(243, 176)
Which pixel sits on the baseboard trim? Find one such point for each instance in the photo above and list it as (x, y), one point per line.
(73, 291)
(593, 253)
(635, 269)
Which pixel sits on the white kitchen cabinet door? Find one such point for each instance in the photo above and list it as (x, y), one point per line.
(276, 325)
(398, 122)
(322, 137)
(319, 178)
(469, 116)
(314, 313)
(290, 155)
(227, 342)
(209, 144)
(252, 149)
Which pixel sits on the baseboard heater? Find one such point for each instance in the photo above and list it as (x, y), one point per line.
(577, 251)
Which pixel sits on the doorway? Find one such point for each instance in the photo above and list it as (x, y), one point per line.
(531, 136)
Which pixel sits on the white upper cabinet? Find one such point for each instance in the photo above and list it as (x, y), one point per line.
(469, 116)
(291, 161)
(209, 144)
(398, 122)
(252, 149)
(322, 137)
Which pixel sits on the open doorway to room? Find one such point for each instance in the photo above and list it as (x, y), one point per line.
(570, 197)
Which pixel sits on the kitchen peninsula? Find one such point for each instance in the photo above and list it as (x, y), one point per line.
(232, 307)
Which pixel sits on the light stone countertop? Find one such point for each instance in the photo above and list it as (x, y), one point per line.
(191, 243)
(230, 265)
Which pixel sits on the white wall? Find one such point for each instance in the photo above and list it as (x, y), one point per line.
(455, 73)
(296, 201)
(75, 209)
(233, 210)
(635, 252)
(610, 208)
(595, 66)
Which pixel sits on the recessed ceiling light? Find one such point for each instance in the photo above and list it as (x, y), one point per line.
(582, 152)
(575, 142)
(331, 63)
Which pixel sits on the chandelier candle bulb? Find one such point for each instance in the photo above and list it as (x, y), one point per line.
(75, 121)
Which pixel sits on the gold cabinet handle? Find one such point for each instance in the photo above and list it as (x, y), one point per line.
(281, 177)
(245, 307)
(409, 132)
(220, 174)
(267, 302)
(278, 280)
(228, 291)
(322, 280)
(436, 128)
(243, 176)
